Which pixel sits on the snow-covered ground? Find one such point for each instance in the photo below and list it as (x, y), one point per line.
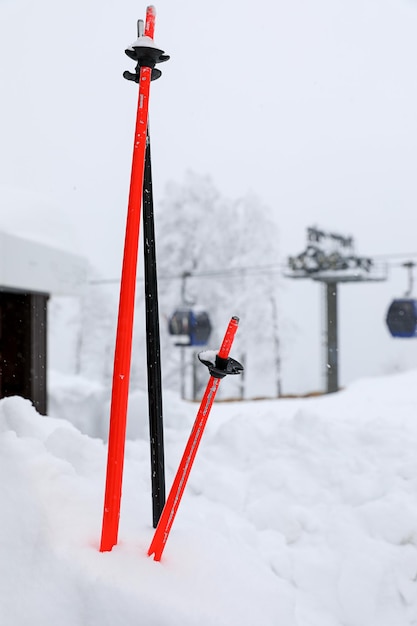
(297, 513)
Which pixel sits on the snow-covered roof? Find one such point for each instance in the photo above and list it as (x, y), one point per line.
(33, 266)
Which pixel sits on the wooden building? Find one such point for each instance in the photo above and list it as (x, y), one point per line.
(30, 272)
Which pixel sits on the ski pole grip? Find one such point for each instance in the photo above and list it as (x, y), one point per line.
(229, 336)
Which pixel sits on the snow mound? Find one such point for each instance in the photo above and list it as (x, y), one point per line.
(51, 569)
(297, 512)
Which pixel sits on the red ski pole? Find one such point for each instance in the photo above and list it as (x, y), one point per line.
(146, 56)
(221, 366)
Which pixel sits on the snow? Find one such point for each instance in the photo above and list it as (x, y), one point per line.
(300, 512)
(142, 41)
(208, 355)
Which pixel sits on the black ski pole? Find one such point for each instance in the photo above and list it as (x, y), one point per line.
(153, 347)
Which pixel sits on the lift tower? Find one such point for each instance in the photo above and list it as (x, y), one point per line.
(329, 258)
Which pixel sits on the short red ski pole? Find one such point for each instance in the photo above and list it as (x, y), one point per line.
(219, 367)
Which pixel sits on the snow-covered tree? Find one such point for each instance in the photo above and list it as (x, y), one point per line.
(229, 250)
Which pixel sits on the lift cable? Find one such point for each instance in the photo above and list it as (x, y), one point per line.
(248, 270)
(243, 270)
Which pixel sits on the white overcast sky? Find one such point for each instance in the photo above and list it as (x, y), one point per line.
(310, 104)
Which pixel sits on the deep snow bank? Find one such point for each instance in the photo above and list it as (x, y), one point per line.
(297, 512)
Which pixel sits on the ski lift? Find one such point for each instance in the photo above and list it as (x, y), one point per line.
(190, 326)
(402, 313)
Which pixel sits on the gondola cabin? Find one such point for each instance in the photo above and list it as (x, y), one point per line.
(190, 327)
(402, 318)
